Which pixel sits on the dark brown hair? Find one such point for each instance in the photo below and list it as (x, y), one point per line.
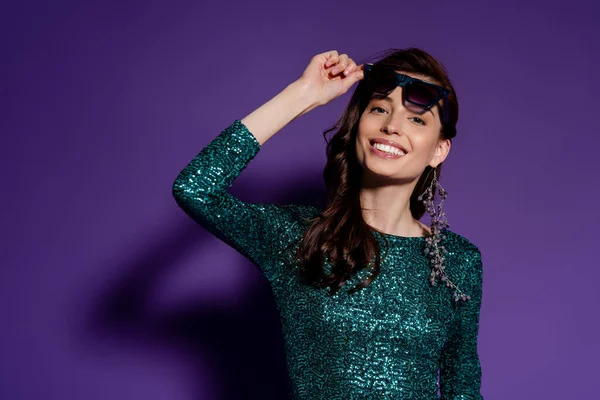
(340, 235)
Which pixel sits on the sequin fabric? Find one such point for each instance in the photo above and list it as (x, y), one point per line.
(399, 338)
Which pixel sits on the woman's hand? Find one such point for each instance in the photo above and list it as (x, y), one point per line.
(328, 76)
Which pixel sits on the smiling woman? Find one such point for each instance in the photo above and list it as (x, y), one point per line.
(414, 129)
(395, 329)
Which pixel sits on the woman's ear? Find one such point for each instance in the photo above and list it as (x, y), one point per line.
(441, 152)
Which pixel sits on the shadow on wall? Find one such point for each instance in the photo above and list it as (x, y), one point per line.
(239, 370)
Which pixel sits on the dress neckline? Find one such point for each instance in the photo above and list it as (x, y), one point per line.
(396, 238)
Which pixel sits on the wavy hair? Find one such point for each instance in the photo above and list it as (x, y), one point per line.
(340, 235)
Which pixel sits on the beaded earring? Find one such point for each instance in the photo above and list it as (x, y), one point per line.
(433, 247)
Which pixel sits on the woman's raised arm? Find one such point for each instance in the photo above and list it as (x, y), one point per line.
(257, 231)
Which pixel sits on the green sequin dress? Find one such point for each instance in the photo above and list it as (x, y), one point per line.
(389, 340)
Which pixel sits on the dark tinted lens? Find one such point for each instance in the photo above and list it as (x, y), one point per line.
(381, 80)
(421, 94)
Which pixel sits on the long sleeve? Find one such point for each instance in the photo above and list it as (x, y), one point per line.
(460, 371)
(257, 231)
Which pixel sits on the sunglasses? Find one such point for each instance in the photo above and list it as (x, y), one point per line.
(418, 96)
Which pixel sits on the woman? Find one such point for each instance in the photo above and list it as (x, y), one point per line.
(396, 327)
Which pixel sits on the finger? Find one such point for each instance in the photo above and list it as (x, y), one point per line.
(344, 61)
(360, 70)
(332, 61)
(331, 57)
(341, 65)
(350, 67)
(352, 79)
(356, 74)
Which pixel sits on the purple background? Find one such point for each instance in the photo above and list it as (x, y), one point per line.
(109, 291)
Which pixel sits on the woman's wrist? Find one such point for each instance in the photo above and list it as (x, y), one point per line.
(271, 117)
(300, 91)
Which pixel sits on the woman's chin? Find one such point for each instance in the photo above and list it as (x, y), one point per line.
(377, 174)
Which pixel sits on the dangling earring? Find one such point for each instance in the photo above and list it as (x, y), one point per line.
(433, 247)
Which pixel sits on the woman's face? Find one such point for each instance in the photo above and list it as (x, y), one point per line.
(419, 135)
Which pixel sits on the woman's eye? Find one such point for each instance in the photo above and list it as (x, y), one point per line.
(416, 119)
(377, 108)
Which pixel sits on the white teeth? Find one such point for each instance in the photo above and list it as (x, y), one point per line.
(388, 149)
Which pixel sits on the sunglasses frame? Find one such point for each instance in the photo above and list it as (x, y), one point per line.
(404, 80)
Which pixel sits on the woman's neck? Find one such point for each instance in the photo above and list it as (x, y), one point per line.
(388, 210)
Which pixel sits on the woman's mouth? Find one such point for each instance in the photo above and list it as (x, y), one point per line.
(385, 151)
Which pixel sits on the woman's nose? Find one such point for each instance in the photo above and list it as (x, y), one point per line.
(392, 126)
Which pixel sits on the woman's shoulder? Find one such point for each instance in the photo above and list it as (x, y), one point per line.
(463, 251)
(459, 242)
(464, 256)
